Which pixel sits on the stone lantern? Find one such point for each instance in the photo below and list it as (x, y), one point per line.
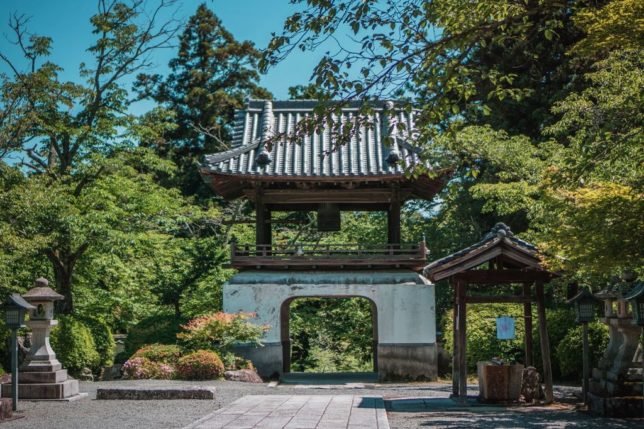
(42, 375)
(615, 385)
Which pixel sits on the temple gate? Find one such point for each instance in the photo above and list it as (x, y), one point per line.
(279, 173)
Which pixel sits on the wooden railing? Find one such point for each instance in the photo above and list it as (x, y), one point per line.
(315, 255)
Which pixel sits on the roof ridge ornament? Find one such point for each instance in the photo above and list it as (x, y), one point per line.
(263, 157)
(391, 132)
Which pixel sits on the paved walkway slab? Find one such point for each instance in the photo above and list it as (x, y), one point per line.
(298, 412)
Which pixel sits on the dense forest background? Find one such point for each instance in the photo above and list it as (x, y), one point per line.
(536, 105)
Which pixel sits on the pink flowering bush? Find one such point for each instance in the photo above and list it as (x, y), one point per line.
(200, 365)
(139, 368)
(220, 330)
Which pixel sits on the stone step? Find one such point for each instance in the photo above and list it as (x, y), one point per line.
(42, 377)
(147, 393)
(59, 390)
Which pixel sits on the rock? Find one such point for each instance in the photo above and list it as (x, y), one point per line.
(244, 375)
(531, 387)
(111, 372)
(143, 393)
(6, 408)
(86, 375)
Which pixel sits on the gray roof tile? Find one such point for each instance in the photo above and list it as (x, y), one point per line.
(317, 154)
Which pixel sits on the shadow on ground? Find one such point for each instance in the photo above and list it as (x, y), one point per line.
(446, 413)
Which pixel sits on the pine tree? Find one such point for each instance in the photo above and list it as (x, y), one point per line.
(210, 77)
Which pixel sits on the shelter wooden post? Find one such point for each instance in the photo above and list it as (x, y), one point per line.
(462, 335)
(545, 342)
(454, 338)
(527, 318)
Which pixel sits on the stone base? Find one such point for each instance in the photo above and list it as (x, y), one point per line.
(59, 390)
(616, 406)
(143, 393)
(407, 362)
(268, 360)
(42, 377)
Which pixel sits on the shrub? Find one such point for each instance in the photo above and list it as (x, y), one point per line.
(160, 353)
(232, 362)
(103, 340)
(569, 352)
(220, 330)
(158, 329)
(200, 365)
(139, 368)
(72, 341)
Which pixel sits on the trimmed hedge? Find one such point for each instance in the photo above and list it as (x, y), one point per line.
(200, 365)
(73, 344)
(161, 353)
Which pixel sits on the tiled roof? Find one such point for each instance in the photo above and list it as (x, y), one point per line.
(255, 153)
(500, 234)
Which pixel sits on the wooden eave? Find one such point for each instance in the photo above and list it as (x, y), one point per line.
(500, 247)
(232, 186)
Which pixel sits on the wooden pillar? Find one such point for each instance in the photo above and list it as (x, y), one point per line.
(262, 223)
(545, 342)
(527, 318)
(462, 335)
(393, 221)
(455, 344)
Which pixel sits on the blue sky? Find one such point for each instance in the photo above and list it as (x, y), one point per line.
(67, 22)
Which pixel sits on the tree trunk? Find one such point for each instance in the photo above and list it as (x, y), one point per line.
(64, 287)
(177, 310)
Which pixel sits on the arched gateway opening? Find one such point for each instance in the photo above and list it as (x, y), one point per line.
(329, 334)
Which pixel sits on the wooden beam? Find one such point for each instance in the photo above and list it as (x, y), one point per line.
(492, 299)
(527, 319)
(336, 196)
(503, 276)
(545, 343)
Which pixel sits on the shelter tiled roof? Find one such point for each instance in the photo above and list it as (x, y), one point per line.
(499, 241)
(254, 152)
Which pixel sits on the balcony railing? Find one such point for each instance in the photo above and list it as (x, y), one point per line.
(315, 255)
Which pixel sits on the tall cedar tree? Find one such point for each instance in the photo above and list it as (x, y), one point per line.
(210, 77)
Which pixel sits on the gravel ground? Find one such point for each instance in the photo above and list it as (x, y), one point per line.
(435, 411)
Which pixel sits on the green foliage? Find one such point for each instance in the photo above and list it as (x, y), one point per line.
(103, 340)
(233, 362)
(158, 329)
(569, 352)
(482, 343)
(220, 331)
(331, 335)
(74, 346)
(200, 365)
(209, 78)
(160, 353)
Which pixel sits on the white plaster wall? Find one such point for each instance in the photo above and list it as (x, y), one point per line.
(405, 301)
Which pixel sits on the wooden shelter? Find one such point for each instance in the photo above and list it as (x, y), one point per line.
(499, 258)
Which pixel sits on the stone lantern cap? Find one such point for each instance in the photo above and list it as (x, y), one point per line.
(42, 292)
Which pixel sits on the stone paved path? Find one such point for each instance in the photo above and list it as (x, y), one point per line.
(298, 412)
